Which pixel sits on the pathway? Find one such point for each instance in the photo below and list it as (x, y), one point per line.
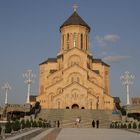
(97, 134)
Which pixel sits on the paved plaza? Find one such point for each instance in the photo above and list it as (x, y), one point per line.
(96, 134)
(79, 134)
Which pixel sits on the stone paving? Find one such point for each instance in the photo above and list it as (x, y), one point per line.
(96, 134)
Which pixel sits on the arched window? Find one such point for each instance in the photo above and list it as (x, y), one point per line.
(90, 104)
(58, 104)
(74, 41)
(68, 41)
(81, 41)
(62, 42)
(86, 42)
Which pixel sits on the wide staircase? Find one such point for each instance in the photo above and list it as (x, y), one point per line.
(67, 117)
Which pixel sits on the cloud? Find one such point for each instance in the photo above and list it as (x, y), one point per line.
(111, 38)
(115, 59)
(103, 41)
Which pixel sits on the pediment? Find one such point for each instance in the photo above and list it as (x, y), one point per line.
(75, 51)
(75, 85)
(75, 68)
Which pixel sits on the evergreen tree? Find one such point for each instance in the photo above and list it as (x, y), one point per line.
(0, 129)
(40, 123)
(23, 125)
(44, 125)
(121, 125)
(28, 124)
(129, 126)
(139, 126)
(134, 125)
(125, 126)
(16, 125)
(8, 127)
(34, 124)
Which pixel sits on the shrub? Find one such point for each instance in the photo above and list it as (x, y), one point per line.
(28, 124)
(23, 125)
(115, 124)
(48, 124)
(129, 126)
(139, 126)
(31, 123)
(8, 127)
(34, 124)
(44, 125)
(121, 125)
(125, 126)
(16, 125)
(40, 124)
(134, 125)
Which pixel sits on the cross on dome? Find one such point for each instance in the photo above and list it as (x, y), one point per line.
(75, 7)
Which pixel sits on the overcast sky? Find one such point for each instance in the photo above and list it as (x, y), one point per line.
(29, 34)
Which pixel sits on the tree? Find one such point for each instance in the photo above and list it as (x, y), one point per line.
(0, 129)
(129, 125)
(8, 127)
(28, 124)
(139, 126)
(34, 124)
(125, 126)
(40, 123)
(44, 125)
(134, 125)
(23, 125)
(16, 125)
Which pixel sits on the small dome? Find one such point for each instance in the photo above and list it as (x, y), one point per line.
(75, 19)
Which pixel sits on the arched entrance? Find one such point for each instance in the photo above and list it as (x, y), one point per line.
(75, 106)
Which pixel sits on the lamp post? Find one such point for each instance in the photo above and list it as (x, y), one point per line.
(6, 87)
(29, 77)
(127, 80)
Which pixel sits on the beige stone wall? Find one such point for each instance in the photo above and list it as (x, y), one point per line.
(75, 81)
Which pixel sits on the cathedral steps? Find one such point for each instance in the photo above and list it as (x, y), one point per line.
(67, 117)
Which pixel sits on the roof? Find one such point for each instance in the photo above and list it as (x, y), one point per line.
(75, 19)
(100, 61)
(49, 60)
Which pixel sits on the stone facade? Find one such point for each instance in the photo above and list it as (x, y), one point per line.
(135, 101)
(75, 79)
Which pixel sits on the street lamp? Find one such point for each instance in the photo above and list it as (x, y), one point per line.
(127, 80)
(7, 88)
(29, 77)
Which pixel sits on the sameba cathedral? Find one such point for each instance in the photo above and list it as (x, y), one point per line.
(75, 79)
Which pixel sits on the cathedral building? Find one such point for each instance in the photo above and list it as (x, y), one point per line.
(75, 79)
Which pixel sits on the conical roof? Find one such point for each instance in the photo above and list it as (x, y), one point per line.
(75, 19)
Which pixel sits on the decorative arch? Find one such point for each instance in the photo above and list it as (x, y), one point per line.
(74, 59)
(74, 93)
(75, 106)
(90, 102)
(58, 103)
(51, 96)
(75, 77)
(91, 91)
(59, 90)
